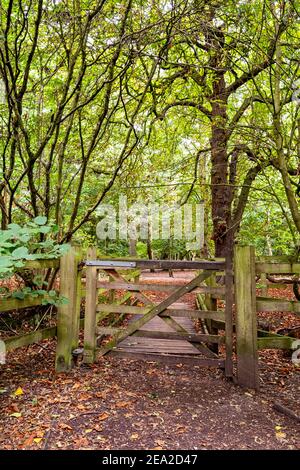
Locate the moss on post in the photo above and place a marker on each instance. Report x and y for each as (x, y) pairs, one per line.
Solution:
(68, 314)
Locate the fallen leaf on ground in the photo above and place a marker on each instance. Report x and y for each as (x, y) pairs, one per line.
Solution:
(76, 386)
(181, 429)
(16, 415)
(98, 428)
(80, 407)
(65, 426)
(103, 416)
(123, 404)
(37, 439)
(28, 441)
(160, 443)
(280, 435)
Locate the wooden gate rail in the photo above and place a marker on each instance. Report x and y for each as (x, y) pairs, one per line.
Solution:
(156, 264)
(217, 291)
(147, 312)
(276, 266)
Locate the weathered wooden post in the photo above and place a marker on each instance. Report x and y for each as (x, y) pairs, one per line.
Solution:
(246, 327)
(68, 314)
(90, 310)
(211, 304)
(264, 286)
(76, 324)
(111, 292)
(228, 314)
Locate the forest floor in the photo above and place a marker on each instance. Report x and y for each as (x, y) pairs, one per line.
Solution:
(122, 404)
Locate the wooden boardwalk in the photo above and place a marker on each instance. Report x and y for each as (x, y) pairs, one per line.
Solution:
(141, 345)
(158, 346)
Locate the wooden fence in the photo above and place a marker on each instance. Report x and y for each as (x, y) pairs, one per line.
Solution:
(265, 268)
(9, 304)
(243, 321)
(174, 345)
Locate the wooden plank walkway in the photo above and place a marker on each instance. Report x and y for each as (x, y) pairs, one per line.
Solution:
(143, 345)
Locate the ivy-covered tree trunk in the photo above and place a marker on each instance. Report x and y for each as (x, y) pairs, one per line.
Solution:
(220, 192)
(221, 203)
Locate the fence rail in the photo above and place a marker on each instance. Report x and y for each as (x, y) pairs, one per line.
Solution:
(123, 275)
(9, 304)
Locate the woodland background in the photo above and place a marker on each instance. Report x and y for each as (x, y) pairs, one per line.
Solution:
(164, 101)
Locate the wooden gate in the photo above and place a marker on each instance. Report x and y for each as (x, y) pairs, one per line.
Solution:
(170, 338)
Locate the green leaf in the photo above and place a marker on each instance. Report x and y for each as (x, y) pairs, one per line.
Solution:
(7, 245)
(41, 292)
(24, 238)
(40, 220)
(45, 229)
(6, 262)
(18, 295)
(64, 248)
(18, 264)
(21, 252)
(15, 228)
(34, 256)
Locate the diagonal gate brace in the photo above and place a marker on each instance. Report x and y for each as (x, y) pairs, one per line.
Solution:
(156, 310)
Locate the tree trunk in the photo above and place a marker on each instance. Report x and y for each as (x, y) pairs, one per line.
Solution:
(4, 218)
(132, 247)
(149, 249)
(221, 201)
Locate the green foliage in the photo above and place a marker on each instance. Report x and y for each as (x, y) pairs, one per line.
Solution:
(19, 244)
(23, 243)
(266, 229)
(118, 100)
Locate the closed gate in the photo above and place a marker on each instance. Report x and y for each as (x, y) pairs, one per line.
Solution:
(155, 320)
(163, 330)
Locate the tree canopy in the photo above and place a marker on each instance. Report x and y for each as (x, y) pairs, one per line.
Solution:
(170, 101)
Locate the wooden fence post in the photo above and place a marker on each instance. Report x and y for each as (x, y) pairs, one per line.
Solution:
(90, 310)
(211, 304)
(228, 314)
(78, 296)
(264, 286)
(246, 327)
(68, 314)
(111, 292)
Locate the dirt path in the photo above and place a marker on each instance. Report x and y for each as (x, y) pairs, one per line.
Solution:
(119, 404)
(122, 404)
